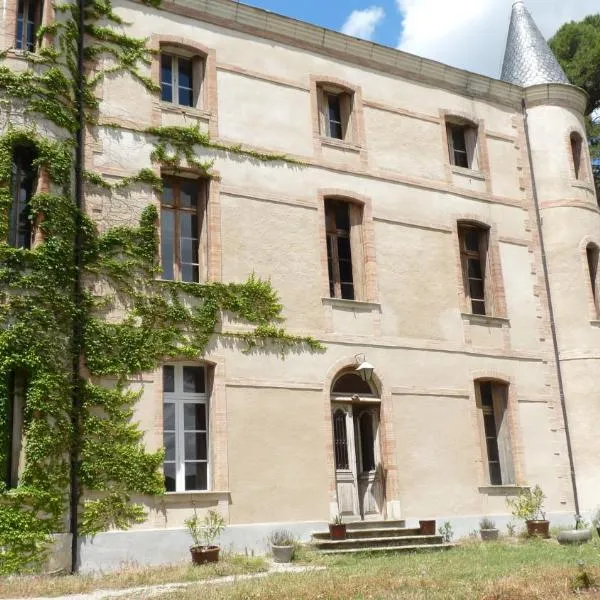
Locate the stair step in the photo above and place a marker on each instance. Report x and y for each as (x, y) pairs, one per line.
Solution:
(355, 534)
(364, 543)
(415, 548)
(375, 525)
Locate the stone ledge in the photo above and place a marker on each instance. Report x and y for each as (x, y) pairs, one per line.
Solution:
(489, 320)
(358, 305)
(502, 490)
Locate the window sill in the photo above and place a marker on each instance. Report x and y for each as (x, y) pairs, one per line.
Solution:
(488, 320)
(358, 305)
(502, 490)
(583, 185)
(595, 322)
(195, 496)
(474, 174)
(185, 110)
(335, 143)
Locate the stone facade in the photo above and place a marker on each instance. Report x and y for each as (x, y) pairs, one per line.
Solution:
(271, 446)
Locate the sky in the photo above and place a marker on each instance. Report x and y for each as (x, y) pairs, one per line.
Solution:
(469, 34)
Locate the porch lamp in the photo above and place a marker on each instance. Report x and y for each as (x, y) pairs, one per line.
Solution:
(364, 369)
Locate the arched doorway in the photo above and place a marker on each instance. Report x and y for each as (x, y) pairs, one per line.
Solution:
(355, 406)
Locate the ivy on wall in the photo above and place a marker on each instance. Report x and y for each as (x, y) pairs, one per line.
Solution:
(162, 319)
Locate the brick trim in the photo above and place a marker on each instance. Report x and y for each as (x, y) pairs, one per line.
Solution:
(209, 80)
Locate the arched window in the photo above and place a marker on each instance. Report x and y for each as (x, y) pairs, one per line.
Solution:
(576, 151)
(474, 255)
(593, 252)
(336, 107)
(462, 142)
(340, 440)
(23, 185)
(182, 71)
(350, 384)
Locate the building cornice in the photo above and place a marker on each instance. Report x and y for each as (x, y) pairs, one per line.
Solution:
(285, 30)
(556, 94)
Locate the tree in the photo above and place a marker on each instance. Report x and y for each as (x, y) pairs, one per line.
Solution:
(577, 47)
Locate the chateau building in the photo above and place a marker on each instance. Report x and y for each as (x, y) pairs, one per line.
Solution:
(439, 225)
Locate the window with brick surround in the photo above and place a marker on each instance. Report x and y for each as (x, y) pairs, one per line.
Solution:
(593, 252)
(182, 235)
(23, 181)
(474, 255)
(462, 144)
(576, 152)
(17, 387)
(343, 228)
(181, 79)
(335, 113)
(29, 19)
(492, 402)
(185, 428)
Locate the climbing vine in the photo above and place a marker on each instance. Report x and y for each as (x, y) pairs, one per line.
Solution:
(130, 320)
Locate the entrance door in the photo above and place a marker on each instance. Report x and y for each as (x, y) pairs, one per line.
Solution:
(358, 469)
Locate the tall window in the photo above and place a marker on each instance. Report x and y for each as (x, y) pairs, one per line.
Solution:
(341, 218)
(180, 79)
(340, 440)
(335, 107)
(493, 403)
(462, 144)
(17, 385)
(181, 217)
(185, 428)
(29, 17)
(473, 253)
(593, 253)
(576, 150)
(22, 183)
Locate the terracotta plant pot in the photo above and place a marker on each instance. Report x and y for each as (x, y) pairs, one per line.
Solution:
(427, 527)
(488, 535)
(574, 536)
(337, 532)
(538, 528)
(204, 554)
(282, 554)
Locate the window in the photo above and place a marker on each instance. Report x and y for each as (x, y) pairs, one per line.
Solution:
(343, 221)
(17, 386)
(350, 384)
(22, 183)
(335, 107)
(576, 149)
(473, 254)
(340, 440)
(462, 144)
(181, 217)
(180, 79)
(367, 442)
(593, 252)
(29, 18)
(185, 428)
(492, 399)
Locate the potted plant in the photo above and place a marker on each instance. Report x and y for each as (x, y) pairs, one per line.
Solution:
(204, 532)
(579, 535)
(596, 521)
(337, 528)
(282, 545)
(488, 530)
(528, 506)
(427, 527)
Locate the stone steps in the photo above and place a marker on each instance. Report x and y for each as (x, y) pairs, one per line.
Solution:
(377, 542)
(394, 549)
(356, 534)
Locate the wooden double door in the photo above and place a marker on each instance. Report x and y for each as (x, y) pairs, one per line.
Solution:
(358, 469)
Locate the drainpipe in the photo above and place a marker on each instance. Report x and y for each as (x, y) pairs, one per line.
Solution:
(77, 295)
(561, 390)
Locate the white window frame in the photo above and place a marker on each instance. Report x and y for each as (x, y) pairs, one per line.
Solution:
(180, 398)
(197, 73)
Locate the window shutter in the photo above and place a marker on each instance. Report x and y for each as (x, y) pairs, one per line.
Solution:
(500, 396)
(486, 264)
(471, 143)
(323, 120)
(346, 102)
(357, 249)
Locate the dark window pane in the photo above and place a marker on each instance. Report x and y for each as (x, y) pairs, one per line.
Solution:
(189, 194)
(340, 440)
(185, 73)
(476, 289)
(169, 378)
(169, 416)
(347, 291)
(342, 216)
(489, 424)
(458, 138)
(166, 78)
(169, 444)
(190, 273)
(474, 268)
(492, 449)
(167, 242)
(167, 193)
(335, 130)
(195, 446)
(478, 307)
(495, 475)
(188, 224)
(186, 97)
(189, 250)
(195, 476)
(367, 442)
(334, 114)
(194, 417)
(169, 469)
(350, 384)
(485, 391)
(19, 41)
(472, 240)
(344, 252)
(193, 380)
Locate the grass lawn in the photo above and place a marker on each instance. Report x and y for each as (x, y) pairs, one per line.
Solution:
(21, 587)
(493, 571)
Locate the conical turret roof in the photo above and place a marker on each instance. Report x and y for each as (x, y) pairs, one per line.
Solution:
(528, 59)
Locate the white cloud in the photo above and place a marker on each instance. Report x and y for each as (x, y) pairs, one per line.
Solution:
(471, 34)
(362, 23)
